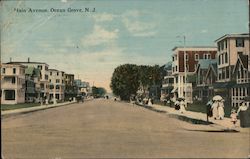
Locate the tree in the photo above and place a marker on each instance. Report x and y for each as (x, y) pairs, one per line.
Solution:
(98, 91)
(125, 81)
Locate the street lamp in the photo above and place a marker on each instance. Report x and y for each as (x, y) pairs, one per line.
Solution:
(185, 67)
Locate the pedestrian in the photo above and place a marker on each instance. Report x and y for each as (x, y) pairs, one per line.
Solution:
(215, 109)
(221, 112)
(243, 107)
(233, 117)
(209, 108)
(150, 102)
(182, 106)
(177, 105)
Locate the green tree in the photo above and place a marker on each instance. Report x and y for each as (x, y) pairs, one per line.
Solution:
(98, 91)
(125, 81)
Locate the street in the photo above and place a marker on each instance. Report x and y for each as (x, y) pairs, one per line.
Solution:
(108, 129)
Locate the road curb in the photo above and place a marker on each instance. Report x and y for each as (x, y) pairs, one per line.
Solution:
(33, 109)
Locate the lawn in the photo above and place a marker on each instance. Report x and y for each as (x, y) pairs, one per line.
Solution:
(18, 106)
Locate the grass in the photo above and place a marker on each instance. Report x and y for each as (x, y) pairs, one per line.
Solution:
(18, 106)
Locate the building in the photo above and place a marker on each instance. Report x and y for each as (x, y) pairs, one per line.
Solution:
(211, 78)
(167, 86)
(56, 84)
(70, 86)
(231, 48)
(12, 84)
(32, 83)
(44, 80)
(201, 91)
(242, 88)
(83, 87)
(192, 56)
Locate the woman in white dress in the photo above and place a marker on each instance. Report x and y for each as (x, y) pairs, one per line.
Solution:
(215, 109)
(182, 106)
(221, 112)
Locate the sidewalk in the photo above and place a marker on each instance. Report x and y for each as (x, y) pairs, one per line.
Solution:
(32, 109)
(224, 124)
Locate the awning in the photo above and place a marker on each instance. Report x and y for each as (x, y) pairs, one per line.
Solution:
(174, 90)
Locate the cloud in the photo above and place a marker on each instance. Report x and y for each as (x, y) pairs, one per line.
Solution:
(204, 31)
(138, 28)
(99, 36)
(103, 17)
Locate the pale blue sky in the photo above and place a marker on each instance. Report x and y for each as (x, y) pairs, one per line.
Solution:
(91, 45)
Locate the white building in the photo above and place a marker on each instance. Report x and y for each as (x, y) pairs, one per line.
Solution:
(183, 67)
(44, 80)
(12, 83)
(56, 84)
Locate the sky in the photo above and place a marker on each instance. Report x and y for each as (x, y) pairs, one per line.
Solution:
(91, 44)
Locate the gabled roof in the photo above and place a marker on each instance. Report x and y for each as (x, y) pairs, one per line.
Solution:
(244, 35)
(212, 67)
(243, 61)
(204, 63)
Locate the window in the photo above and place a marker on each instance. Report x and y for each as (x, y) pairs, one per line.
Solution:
(225, 43)
(57, 87)
(196, 56)
(9, 94)
(14, 70)
(218, 46)
(46, 68)
(240, 53)
(40, 67)
(46, 77)
(239, 42)
(51, 86)
(226, 57)
(57, 73)
(222, 45)
(208, 56)
(57, 81)
(3, 71)
(50, 80)
(219, 59)
(176, 68)
(186, 57)
(13, 80)
(50, 73)
(173, 58)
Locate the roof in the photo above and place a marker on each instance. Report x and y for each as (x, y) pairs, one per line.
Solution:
(190, 47)
(243, 35)
(19, 62)
(15, 64)
(29, 70)
(204, 63)
(243, 60)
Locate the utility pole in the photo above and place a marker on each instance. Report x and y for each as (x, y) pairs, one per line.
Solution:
(185, 69)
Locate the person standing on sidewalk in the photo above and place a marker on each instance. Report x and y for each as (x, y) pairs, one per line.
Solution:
(221, 112)
(233, 117)
(215, 109)
(182, 106)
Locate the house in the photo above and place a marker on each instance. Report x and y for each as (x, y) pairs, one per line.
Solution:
(56, 84)
(211, 78)
(201, 91)
(12, 84)
(184, 67)
(70, 86)
(242, 73)
(32, 83)
(44, 80)
(167, 86)
(230, 47)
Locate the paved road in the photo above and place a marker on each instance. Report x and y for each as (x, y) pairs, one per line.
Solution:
(107, 129)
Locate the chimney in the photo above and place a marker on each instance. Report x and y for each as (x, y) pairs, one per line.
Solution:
(28, 59)
(10, 59)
